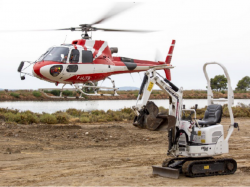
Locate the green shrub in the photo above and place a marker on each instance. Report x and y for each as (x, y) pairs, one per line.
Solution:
(26, 117)
(67, 93)
(97, 112)
(84, 120)
(74, 112)
(55, 92)
(117, 117)
(36, 93)
(10, 117)
(62, 117)
(5, 110)
(101, 118)
(16, 95)
(48, 118)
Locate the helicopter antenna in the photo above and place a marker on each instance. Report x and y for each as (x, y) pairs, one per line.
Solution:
(65, 39)
(132, 77)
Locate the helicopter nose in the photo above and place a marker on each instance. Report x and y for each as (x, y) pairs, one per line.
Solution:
(45, 71)
(34, 73)
(36, 70)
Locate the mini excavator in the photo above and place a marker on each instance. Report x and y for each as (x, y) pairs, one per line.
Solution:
(192, 142)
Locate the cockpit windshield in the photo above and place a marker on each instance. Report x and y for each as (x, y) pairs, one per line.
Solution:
(58, 54)
(43, 55)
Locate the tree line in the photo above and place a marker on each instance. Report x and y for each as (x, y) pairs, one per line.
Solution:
(219, 82)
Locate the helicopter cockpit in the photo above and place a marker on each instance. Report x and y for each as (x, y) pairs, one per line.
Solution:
(56, 54)
(61, 54)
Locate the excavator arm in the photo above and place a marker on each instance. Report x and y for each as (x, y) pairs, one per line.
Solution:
(147, 113)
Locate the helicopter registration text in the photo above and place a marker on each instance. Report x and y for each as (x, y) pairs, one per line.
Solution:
(83, 78)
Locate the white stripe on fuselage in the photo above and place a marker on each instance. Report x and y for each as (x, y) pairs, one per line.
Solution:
(104, 45)
(86, 69)
(90, 43)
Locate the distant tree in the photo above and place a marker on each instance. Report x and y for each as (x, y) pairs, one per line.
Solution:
(219, 82)
(244, 83)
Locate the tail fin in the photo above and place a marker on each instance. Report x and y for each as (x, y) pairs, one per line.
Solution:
(168, 60)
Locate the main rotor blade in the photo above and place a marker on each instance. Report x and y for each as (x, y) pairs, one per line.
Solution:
(123, 30)
(115, 10)
(73, 28)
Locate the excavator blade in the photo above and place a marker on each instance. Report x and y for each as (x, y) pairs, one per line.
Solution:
(166, 172)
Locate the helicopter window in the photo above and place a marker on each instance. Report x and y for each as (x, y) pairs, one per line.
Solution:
(72, 68)
(43, 55)
(87, 57)
(58, 54)
(74, 56)
(56, 70)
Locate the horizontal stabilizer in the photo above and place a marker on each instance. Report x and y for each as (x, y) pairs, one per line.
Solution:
(162, 66)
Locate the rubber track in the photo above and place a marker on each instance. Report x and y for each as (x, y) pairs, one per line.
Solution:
(169, 161)
(187, 167)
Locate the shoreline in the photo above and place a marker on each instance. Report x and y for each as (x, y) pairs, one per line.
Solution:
(33, 95)
(59, 100)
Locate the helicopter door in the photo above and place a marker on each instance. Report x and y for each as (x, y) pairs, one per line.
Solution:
(74, 56)
(87, 56)
(73, 59)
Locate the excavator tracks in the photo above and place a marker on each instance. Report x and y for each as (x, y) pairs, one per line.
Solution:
(210, 167)
(195, 167)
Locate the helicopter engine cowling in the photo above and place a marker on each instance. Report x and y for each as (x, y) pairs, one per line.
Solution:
(113, 50)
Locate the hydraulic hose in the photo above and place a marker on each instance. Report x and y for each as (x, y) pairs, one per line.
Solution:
(175, 88)
(145, 79)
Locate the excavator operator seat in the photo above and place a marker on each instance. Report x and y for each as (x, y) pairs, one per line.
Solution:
(212, 115)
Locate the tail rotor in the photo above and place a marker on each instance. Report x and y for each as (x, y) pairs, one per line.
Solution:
(168, 60)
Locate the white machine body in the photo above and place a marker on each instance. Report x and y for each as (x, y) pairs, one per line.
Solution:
(208, 141)
(203, 141)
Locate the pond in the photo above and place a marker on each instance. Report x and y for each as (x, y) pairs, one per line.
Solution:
(53, 106)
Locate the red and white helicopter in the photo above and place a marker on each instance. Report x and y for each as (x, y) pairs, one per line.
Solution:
(87, 61)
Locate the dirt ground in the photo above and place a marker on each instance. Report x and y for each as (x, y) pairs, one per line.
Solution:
(111, 154)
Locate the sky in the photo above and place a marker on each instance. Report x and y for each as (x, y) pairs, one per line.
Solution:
(205, 31)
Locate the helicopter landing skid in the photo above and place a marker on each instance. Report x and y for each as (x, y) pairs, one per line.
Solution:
(96, 88)
(80, 88)
(60, 96)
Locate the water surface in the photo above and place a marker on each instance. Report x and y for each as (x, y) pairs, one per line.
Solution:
(53, 106)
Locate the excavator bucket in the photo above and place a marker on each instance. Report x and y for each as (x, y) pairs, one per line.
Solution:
(150, 119)
(166, 172)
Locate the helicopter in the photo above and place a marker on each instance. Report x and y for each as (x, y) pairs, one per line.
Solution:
(85, 61)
